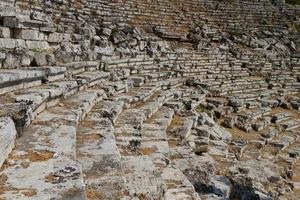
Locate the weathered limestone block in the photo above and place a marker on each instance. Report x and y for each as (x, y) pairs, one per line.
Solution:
(7, 11)
(280, 117)
(5, 32)
(229, 122)
(6, 43)
(8, 134)
(40, 59)
(2, 56)
(11, 80)
(59, 37)
(106, 32)
(28, 34)
(37, 45)
(10, 22)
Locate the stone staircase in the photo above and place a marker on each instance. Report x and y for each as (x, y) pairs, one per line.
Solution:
(58, 151)
(105, 130)
(170, 99)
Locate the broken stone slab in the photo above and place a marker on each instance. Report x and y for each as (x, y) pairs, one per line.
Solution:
(137, 81)
(20, 113)
(282, 142)
(280, 117)
(8, 135)
(261, 123)
(295, 105)
(272, 103)
(249, 115)
(178, 186)
(93, 78)
(290, 124)
(294, 153)
(229, 121)
(184, 129)
(205, 119)
(260, 171)
(191, 104)
(253, 104)
(269, 133)
(175, 105)
(247, 127)
(235, 102)
(108, 109)
(217, 101)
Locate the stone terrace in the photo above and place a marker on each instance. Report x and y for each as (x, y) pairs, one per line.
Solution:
(151, 100)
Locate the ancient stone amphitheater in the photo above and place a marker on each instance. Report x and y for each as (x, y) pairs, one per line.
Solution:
(149, 99)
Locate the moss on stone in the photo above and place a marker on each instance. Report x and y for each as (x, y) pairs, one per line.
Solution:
(293, 2)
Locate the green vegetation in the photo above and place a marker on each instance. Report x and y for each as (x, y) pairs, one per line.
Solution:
(293, 2)
(36, 50)
(115, 31)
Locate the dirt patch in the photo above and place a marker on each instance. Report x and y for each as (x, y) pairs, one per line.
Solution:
(29, 193)
(173, 143)
(25, 164)
(148, 150)
(35, 156)
(239, 134)
(72, 193)
(93, 194)
(89, 137)
(176, 121)
(50, 178)
(296, 170)
(80, 154)
(6, 165)
(88, 123)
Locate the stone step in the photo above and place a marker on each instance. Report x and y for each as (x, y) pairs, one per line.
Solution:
(289, 124)
(18, 79)
(11, 80)
(290, 155)
(98, 154)
(154, 144)
(128, 126)
(178, 186)
(43, 164)
(142, 144)
(283, 141)
(28, 103)
(8, 135)
(105, 182)
(278, 117)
